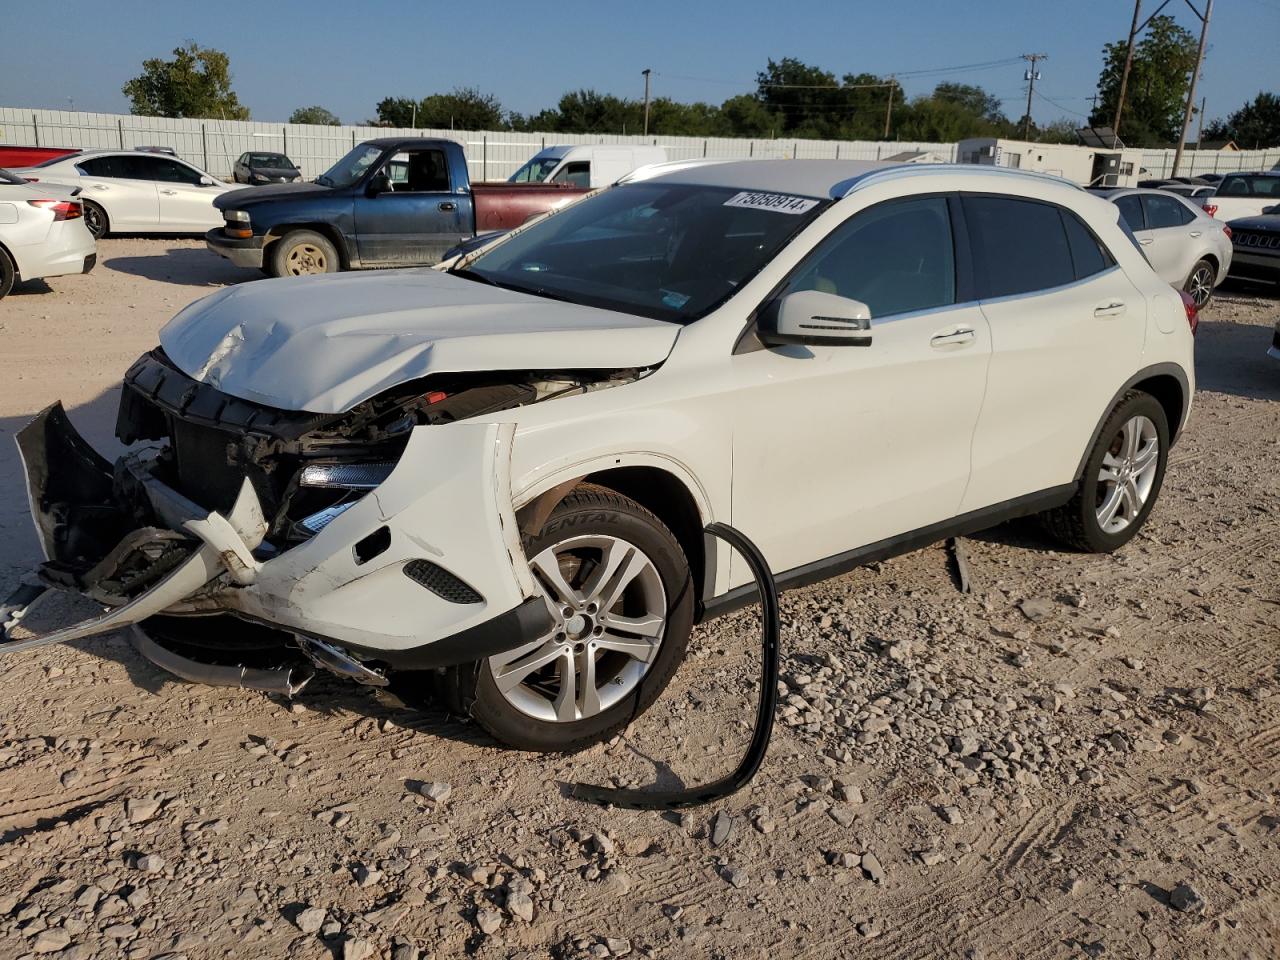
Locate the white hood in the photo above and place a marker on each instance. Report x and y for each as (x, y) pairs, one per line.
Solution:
(324, 344)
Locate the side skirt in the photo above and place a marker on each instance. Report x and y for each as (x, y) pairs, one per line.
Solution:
(825, 569)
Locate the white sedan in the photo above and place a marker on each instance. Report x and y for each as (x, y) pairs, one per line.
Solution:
(499, 474)
(42, 233)
(136, 191)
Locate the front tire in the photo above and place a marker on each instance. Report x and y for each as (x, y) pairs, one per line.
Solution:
(1199, 283)
(621, 596)
(1122, 478)
(95, 218)
(303, 253)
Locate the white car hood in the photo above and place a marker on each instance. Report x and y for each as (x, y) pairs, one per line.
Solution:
(324, 344)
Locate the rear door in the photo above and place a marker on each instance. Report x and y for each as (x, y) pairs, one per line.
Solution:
(837, 447)
(418, 219)
(113, 181)
(1067, 330)
(1174, 232)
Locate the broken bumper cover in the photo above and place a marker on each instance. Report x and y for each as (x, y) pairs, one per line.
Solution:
(460, 519)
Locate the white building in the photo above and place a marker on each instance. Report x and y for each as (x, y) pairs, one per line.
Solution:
(1088, 166)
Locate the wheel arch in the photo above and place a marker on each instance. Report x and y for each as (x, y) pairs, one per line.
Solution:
(327, 230)
(657, 485)
(106, 214)
(1168, 383)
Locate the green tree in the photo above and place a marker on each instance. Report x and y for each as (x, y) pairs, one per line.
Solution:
(746, 116)
(316, 115)
(195, 83)
(396, 112)
(972, 100)
(1059, 131)
(1154, 101)
(1253, 126)
(465, 108)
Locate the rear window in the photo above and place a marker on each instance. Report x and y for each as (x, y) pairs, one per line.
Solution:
(1023, 245)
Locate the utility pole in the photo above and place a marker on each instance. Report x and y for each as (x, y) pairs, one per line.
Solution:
(1124, 76)
(646, 73)
(1031, 77)
(888, 110)
(1200, 127)
(1195, 73)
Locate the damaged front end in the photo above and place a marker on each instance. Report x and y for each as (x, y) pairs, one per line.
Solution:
(380, 538)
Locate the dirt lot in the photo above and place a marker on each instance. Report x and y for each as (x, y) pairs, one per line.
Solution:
(1081, 758)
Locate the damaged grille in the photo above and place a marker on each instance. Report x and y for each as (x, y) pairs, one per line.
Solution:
(202, 458)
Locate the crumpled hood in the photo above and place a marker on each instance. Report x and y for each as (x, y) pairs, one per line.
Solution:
(324, 344)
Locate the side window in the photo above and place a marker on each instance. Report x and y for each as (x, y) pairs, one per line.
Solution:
(242, 159)
(577, 173)
(418, 171)
(1164, 212)
(1131, 210)
(170, 171)
(100, 167)
(1087, 252)
(895, 258)
(1233, 187)
(1266, 186)
(1022, 243)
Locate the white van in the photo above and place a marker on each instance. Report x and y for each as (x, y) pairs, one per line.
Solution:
(586, 165)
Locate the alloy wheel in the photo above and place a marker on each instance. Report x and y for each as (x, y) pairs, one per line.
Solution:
(93, 220)
(1127, 474)
(609, 611)
(1200, 285)
(305, 259)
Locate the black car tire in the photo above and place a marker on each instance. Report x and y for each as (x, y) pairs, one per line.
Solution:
(1077, 523)
(8, 273)
(588, 511)
(302, 253)
(95, 218)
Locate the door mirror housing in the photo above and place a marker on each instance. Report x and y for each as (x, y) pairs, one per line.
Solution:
(206, 181)
(817, 319)
(380, 183)
(1274, 208)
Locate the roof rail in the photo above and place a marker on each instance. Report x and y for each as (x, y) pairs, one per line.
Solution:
(962, 169)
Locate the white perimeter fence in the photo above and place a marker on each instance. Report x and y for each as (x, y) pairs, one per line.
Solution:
(214, 145)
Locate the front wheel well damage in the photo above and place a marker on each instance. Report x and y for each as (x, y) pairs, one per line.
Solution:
(659, 492)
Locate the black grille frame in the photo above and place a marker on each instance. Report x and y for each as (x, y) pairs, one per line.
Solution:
(441, 582)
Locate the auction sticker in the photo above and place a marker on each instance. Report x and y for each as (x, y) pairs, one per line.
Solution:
(777, 202)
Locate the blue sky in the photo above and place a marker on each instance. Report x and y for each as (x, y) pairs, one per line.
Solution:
(346, 56)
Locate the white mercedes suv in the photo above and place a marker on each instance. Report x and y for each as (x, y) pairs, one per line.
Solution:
(499, 473)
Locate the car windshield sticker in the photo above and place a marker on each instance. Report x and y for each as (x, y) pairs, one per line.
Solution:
(673, 299)
(777, 202)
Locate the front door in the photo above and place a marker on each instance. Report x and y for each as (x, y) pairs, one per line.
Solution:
(415, 221)
(185, 203)
(837, 447)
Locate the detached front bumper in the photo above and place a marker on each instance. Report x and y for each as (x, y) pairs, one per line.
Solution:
(175, 557)
(245, 252)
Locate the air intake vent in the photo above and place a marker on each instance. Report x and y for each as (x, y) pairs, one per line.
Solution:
(440, 582)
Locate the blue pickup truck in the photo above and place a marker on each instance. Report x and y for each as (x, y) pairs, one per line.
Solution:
(394, 202)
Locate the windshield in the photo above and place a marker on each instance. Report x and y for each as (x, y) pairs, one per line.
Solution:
(348, 171)
(667, 251)
(535, 171)
(268, 160)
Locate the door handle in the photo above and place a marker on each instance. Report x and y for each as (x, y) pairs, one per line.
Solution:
(1195, 233)
(1112, 309)
(101, 186)
(1147, 240)
(447, 206)
(170, 193)
(953, 338)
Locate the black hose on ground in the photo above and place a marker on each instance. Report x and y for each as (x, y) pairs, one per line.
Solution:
(770, 628)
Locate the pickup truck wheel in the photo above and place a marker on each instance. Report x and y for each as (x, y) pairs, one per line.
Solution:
(302, 253)
(1121, 481)
(8, 274)
(621, 597)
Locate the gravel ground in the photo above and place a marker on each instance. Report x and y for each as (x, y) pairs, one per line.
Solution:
(1079, 758)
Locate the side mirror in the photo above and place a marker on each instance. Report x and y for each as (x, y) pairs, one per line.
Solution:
(816, 318)
(1274, 208)
(379, 184)
(206, 181)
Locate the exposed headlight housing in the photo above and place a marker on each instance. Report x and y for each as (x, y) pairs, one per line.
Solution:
(238, 216)
(345, 476)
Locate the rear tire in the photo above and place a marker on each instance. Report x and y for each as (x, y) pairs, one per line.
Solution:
(303, 253)
(1121, 481)
(622, 639)
(8, 274)
(95, 218)
(1200, 283)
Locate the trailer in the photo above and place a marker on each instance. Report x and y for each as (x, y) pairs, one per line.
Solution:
(1087, 166)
